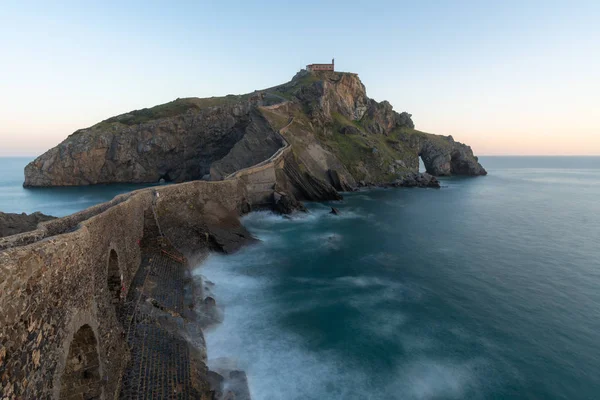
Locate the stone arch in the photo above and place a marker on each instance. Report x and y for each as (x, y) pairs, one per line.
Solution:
(82, 378)
(113, 278)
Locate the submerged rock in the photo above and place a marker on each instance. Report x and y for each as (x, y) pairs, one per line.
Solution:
(227, 382)
(334, 211)
(443, 156)
(210, 302)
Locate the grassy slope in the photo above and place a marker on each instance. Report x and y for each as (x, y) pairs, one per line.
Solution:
(355, 151)
(183, 105)
(173, 108)
(374, 152)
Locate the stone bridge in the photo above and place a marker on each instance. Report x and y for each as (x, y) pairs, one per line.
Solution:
(64, 288)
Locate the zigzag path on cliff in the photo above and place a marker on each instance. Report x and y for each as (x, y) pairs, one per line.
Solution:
(339, 136)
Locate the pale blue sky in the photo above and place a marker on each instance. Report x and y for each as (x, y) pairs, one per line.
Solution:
(506, 77)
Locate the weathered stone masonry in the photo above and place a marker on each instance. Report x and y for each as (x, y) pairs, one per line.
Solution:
(60, 335)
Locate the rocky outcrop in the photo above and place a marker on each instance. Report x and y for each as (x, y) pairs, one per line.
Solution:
(203, 222)
(443, 156)
(374, 143)
(339, 182)
(229, 385)
(286, 204)
(175, 148)
(11, 224)
(382, 119)
(303, 185)
(330, 95)
(416, 179)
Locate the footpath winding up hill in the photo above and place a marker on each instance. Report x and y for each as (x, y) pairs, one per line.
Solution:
(339, 136)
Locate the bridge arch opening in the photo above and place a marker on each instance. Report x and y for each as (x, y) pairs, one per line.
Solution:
(81, 377)
(114, 278)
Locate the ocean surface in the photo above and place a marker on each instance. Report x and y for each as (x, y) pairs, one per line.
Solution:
(52, 201)
(488, 288)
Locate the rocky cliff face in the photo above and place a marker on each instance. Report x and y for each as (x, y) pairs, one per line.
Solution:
(11, 224)
(339, 136)
(176, 148)
(344, 137)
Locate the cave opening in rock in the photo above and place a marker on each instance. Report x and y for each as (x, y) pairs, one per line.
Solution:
(165, 178)
(81, 377)
(114, 278)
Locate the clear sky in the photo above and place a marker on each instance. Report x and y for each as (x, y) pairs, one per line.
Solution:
(506, 77)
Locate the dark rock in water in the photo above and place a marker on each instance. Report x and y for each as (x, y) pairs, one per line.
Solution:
(228, 384)
(334, 211)
(212, 227)
(238, 385)
(209, 301)
(228, 239)
(286, 204)
(208, 313)
(12, 224)
(443, 156)
(417, 179)
(215, 382)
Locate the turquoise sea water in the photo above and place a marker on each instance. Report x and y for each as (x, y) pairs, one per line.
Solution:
(52, 201)
(488, 288)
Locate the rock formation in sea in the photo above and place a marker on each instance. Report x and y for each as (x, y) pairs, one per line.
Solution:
(338, 135)
(417, 179)
(11, 224)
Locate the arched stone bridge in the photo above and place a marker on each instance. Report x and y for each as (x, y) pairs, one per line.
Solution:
(65, 324)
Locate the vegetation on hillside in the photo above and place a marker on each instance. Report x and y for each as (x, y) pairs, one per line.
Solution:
(171, 109)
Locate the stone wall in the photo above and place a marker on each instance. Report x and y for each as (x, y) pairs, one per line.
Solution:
(57, 283)
(52, 288)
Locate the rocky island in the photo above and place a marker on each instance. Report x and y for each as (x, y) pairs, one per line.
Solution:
(100, 304)
(338, 135)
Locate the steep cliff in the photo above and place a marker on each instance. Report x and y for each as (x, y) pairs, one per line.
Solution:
(336, 123)
(177, 142)
(339, 136)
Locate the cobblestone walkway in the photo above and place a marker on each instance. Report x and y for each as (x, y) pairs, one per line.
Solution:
(160, 365)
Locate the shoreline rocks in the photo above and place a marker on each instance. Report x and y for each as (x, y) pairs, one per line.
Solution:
(286, 204)
(418, 179)
(12, 224)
